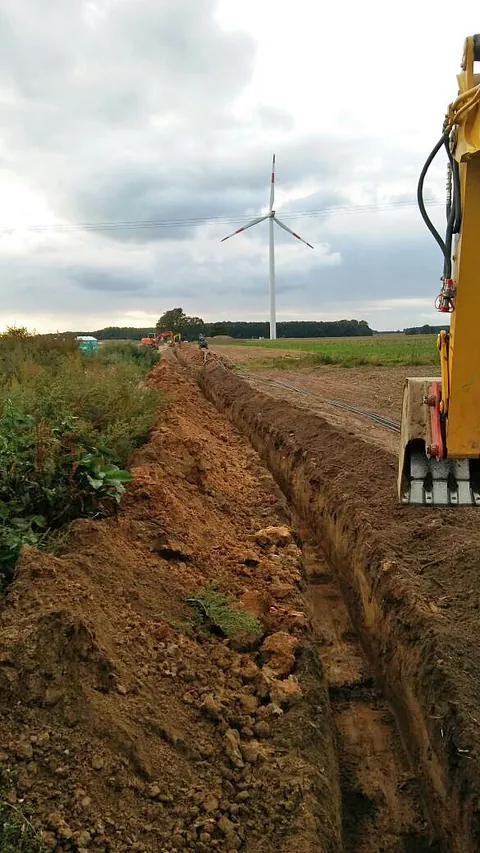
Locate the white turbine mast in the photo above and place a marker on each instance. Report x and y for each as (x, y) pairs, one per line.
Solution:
(271, 244)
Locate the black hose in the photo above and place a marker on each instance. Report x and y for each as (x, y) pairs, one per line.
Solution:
(453, 191)
(441, 142)
(451, 217)
(447, 265)
(457, 200)
(448, 188)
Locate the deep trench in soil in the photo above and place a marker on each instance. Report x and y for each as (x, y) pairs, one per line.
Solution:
(382, 810)
(385, 802)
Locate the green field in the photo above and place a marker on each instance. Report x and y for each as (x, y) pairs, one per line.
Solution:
(394, 350)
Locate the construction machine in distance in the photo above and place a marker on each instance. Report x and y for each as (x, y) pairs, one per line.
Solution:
(440, 432)
(159, 340)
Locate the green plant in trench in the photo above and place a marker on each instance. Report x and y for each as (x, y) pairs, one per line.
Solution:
(219, 611)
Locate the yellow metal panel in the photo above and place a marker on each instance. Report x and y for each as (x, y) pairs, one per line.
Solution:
(442, 343)
(464, 113)
(463, 425)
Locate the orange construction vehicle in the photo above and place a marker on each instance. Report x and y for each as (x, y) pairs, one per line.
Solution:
(159, 340)
(165, 338)
(148, 342)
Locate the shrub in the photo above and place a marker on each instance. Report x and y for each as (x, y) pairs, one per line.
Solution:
(68, 423)
(49, 474)
(143, 356)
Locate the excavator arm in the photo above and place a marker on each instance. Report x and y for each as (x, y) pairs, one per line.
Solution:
(440, 436)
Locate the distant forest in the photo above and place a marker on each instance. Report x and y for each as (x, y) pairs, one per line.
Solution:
(425, 330)
(245, 330)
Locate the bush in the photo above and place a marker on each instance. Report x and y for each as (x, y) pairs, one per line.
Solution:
(143, 356)
(68, 422)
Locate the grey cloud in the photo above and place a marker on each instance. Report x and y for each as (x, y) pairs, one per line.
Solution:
(127, 115)
(108, 282)
(405, 269)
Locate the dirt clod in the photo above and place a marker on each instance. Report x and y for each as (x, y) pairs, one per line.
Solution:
(232, 747)
(277, 536)
(279, 651)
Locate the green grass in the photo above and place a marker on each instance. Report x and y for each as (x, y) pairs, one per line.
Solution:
(379, 350)
(220, 611)
(17, 833)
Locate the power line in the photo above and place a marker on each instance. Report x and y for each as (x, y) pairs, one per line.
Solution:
(138, 224)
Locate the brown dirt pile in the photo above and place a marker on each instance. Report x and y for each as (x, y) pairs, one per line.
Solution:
(131, 730)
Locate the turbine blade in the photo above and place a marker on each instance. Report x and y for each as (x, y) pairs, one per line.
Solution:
(291, 232)
(244, 227)
(272, 184)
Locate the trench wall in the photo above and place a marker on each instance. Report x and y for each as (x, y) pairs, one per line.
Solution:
(329, 477)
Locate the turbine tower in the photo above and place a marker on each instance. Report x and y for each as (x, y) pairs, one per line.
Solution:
(271, 244)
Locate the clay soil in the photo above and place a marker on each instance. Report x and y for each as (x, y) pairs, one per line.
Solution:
(124, 725)
(409, 575)
(352, 725)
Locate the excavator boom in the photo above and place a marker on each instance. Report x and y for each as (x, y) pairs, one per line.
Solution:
(440, 437)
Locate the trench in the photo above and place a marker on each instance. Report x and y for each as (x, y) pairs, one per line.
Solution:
(381, 802)
(395, 766)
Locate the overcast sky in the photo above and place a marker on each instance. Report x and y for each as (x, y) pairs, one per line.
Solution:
(169, 110)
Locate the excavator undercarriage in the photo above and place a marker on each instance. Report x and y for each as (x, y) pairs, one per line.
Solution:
(423, 477)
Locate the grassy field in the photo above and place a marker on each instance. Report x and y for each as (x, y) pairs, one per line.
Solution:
(394, 350)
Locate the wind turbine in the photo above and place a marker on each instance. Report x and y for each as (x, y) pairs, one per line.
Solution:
(271, 245)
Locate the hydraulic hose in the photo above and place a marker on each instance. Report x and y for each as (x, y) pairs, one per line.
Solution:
(451, 217)
(454, 212)
(441, 142)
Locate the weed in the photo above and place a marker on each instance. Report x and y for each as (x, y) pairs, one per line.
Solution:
(48, 475)
(218, 611)
(17, 833)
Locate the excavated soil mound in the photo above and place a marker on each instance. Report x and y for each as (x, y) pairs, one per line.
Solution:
(126, 726)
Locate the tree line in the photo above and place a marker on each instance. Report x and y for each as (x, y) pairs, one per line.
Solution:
(177, 321)
(425, 329)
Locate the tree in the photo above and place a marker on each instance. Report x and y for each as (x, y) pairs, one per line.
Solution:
(171, 321)
(218, 329)
(176, 321)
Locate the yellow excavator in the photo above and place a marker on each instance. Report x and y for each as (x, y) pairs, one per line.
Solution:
(440, 432)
